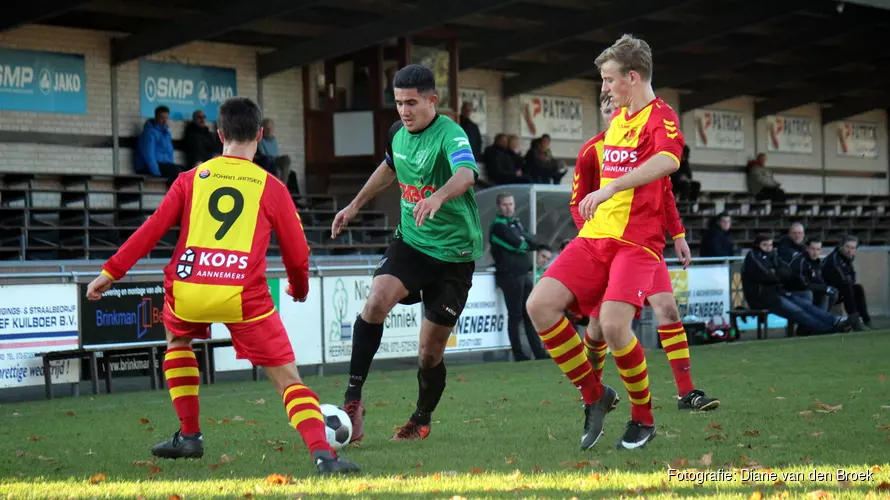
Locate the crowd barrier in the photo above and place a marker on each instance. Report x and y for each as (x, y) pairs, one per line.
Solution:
(55, 317)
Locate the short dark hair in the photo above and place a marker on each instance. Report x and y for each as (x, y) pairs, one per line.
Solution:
(161, 109)
(850, 239)
(760, 238)
(722, 215)
(605, 98)
(564, 243)
(545, 248)
(812, 240)
(415, 76)
(502, 196)
(239, 119)
(545, 136)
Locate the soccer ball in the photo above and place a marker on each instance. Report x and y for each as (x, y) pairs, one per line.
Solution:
(337, 426)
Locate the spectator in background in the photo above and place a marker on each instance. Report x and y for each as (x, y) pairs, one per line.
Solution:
(513, 147)
(389, 96)
(200, 143)
(761, 181)
(471, 129)
(154, 151)
(543, 257)
(269, 155)
(763, 275)
(684, 187)
(792, 244)
(838, 271)
(511, 248)
(542, 167)
(499, 165)
(806, 279)
(717, 241)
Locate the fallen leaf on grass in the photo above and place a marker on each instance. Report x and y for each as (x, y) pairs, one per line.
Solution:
(780, 398)
(818, 494)
(472, 421)
(259, 401)
(846, 484)
(715, 425)
(33, 438)
(827, 407)
(658, 407)
(576, 465)
(537, 469)
(212, 421)
(226, 421)
(70, 413)
(19, 453)
(509, 460)
(97, 478)
(779, 484)
(715, 437)
(885, 407)
(817, 434)
(154, 470)
(224, 459)
(174, 497)
(143, 421)
(248, 495)
(365, 487)
(876, 468)
(805, 413)
(252, 423)
(143, 463)
(551, 436)
(772, 389)
(461, 378)
(237, 418)
(149, 429)
(884, 427)
(477, 470)
(753, 433)
(881, 377)
(805, 458)
(706, 459)
(381, 404)
(884, 486)
(279, 449)
(545, 403)
(419, 464)
(45, 459)
(680, 462)
(213, 467)
(277, 479)
(756, 496)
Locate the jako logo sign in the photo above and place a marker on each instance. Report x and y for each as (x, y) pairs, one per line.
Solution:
(143, 318)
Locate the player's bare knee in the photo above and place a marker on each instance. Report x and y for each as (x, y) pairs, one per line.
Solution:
(429, 358)
(594, 331)
(612, 330)
(667, 314)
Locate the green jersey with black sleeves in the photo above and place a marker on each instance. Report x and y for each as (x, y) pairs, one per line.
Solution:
(424, 161)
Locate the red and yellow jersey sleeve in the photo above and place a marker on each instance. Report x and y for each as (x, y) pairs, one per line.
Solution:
(672, 221)
(279, 207)
(636, 215)
(587, 175)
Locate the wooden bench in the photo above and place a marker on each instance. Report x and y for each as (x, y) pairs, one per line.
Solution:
(761, 316)
(153, 350)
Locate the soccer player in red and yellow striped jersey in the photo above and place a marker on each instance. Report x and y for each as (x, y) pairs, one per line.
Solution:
(226, 210)
(660, 295)
(609, 267)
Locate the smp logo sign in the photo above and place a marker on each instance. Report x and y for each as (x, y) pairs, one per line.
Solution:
(42, 81)
(184, 88)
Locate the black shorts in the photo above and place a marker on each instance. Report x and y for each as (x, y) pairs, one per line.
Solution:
(442, 286)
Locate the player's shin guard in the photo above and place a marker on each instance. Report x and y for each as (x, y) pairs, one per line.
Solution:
(183, 379)
(631, 363)
(365, 342)
(673, 341)
(305, 416)
(565, 348)
(431, 386)
(596, 353)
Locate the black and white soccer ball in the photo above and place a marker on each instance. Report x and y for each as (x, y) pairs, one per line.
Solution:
(338, 427)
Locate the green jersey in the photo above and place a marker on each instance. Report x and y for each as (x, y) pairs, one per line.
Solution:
(424, 161)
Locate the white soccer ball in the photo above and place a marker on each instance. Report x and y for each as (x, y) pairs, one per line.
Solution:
(338, 427)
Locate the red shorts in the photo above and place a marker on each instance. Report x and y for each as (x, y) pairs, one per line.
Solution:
(601, 270)
(263, 342)
(661, 281)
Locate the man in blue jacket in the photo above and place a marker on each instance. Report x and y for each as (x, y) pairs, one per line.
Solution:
(154, 152)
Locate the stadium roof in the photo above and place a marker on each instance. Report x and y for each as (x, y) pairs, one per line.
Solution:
(781, 51)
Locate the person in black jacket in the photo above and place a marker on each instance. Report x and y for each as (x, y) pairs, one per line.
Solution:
(762, 277)
(806, 279)
(792, 244)
(684, 187)
(471, 129)
(717, 241)
(839, 273)
(499, 165)
(200, 143)
(512, 248)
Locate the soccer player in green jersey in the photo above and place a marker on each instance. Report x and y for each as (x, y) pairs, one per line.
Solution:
(432, 257)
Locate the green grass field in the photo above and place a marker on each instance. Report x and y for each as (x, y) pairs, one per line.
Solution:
(501, 431)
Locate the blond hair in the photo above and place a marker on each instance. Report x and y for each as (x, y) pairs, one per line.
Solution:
(631, 54)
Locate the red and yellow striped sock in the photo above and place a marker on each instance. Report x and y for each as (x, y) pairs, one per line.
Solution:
(631, 363)
(675, 345)
(305, 416)
(596, 353)
(565, 348)
(183, 379)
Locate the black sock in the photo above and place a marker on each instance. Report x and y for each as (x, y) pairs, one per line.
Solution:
(431, 385)
(365, 342)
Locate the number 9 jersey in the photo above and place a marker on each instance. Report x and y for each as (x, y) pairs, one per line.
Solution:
(226, 210)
